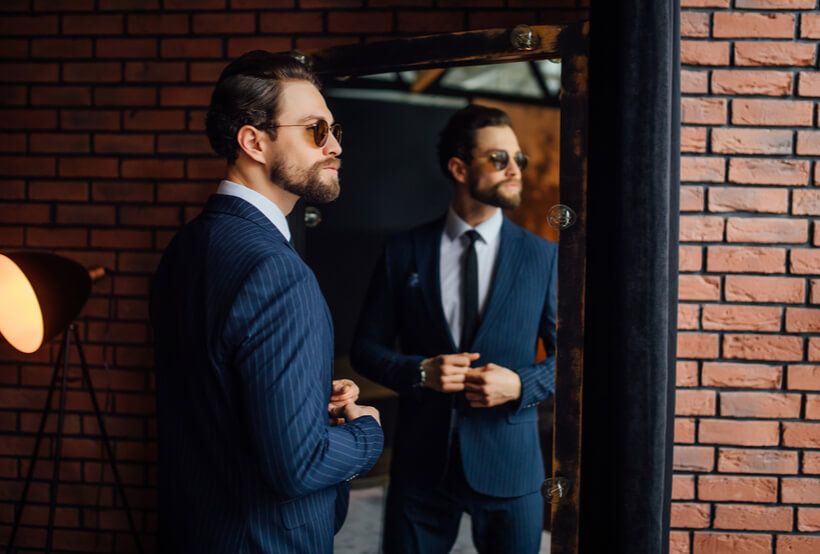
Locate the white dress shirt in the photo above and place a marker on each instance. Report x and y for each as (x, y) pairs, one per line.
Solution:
(453, 249)
(265, 205)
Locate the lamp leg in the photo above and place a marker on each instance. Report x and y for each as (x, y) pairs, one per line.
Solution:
(106, 441)
(18, 516)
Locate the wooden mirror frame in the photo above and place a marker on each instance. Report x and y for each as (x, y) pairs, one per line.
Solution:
(570, 44)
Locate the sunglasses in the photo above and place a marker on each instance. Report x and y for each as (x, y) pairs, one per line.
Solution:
(501, 159)
(321, 131)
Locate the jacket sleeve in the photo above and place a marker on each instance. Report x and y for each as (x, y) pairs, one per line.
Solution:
(538, 380)
(279, 361)
(373, 353)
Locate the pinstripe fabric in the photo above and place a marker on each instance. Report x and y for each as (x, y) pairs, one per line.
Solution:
(244, 346)
(499, 446)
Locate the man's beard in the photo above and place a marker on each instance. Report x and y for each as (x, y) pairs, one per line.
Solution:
(308, 183)
(496, 195)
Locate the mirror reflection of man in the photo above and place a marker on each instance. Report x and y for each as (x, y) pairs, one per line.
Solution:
(467, 297)
(253, 456)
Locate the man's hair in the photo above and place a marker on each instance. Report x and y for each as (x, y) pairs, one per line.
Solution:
(248, 93)
(458, 137)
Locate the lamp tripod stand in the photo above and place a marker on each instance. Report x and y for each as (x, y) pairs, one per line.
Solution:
(60, 374)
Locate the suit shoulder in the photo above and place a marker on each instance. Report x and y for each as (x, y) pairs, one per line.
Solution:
(537, 242)
(405, 238)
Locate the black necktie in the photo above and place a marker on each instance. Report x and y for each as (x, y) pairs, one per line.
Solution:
(470, 292)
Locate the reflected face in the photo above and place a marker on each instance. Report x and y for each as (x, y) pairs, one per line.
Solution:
(298, 165)
(496, 187)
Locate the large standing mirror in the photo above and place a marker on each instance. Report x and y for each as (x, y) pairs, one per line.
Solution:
(393, 99)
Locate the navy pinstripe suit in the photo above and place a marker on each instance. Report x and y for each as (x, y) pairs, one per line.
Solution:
(499, 446)
(244, 349)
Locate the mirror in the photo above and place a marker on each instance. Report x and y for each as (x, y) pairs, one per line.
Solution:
(393, 100)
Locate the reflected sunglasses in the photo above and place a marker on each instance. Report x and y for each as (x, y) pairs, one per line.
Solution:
(321, 131)
(501, 159)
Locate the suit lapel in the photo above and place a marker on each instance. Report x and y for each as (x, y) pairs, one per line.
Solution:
(427, 246)
(507, 266)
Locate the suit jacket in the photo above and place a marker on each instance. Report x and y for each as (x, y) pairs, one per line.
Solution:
(500, 447)
(248, 462)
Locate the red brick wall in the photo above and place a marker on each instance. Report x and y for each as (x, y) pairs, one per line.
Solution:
(102, 157)
(747, 454)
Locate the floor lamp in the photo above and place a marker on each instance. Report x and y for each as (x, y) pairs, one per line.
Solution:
(42, 294)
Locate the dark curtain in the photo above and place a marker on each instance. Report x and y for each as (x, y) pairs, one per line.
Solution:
(632, 249)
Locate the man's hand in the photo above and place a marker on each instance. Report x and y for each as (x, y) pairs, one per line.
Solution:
(491, 385)
(344, 391)
(445, 372)
(351, 411)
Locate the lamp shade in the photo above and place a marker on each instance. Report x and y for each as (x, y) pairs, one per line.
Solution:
(40, 294)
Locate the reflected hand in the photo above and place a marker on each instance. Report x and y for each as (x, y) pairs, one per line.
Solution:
(343, 392)
(491, 385)
(445, 372)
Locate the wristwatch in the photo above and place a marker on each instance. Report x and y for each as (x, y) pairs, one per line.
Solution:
(422, 375)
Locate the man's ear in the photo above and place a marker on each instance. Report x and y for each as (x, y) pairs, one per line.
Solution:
(458, 169)
(250, 141)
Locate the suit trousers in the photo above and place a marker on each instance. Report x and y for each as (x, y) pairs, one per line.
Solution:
(426, 520)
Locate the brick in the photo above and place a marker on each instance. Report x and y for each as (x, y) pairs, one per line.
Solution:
(693, 139)
(742, 433)
(815, 290)
(58, 190)
(805, 261)
(723, 543)
(774, 53)
(166, 72)
(808, 84)
(776, 4)
(123, 144)
(165, 24)
(698, 52)
(154, 120)
(56, 237)
(125, 96)
(806, 202)
(186, 96)
(755, 376)
(768, 83)
(723, 488)
(691, 199)
(804, 377)
(191, 143)
(120, 192)
(694, 82)
(808, 519)
(224, 23)
(763, 347)
(29, 72)
(803, 320)
(88, 167)
(751, 141)
(746, 318)
(688, 316)
(60, 143)
(703, 111)
(704, 3)
(701, 228)
(64, 5)
(363, 22)
(420, 22)
(808, 143)
(798, 544)
(90, 120)
(800, 491)
(810, 25)
(238, 46)
(760, 404)
(126, 48)
(690, 515)
(690, 258)
(28, 25)
(768, 230)
(686, 374)
(758, 25)
(772, 112)
(25, 120)
(695, 458)
(150, 168)
(157, 215)
(695, 402)
(741, 259)
(130, 5)
(14, 48)
(812, 406)
(683, 487)
(734, 199)
(752, 517)
(741, 460)
(92, 24)
(741, 288)
(702, 169)
(694, 24)
(93, 72)
(61, 96)
(761, 171)
(194, 4)
(698, 287)
(60, 48)
(811, 462)
(814, 350)
(86, 215)
(12, 142)
(18, 166)
(801, 435)
(684, 430)
(121, 239)
(188, 48)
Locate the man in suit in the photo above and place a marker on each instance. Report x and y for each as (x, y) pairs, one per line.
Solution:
(252, 455)
(466, 298)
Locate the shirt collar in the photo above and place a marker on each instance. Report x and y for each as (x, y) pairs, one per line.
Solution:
(265, 205)
(489, 229)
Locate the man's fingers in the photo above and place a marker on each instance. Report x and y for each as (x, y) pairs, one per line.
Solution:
(475, 387)
(449, 369)
(455, 378)
(336, 411)
(452, 387)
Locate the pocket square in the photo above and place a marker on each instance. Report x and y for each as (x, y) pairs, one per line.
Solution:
(413, 280)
